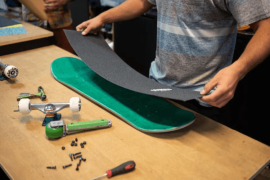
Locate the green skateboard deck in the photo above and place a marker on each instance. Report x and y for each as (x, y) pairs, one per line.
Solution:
(144, 112)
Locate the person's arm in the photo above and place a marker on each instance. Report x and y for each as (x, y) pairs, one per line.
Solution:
(227, 79)
(127, 10)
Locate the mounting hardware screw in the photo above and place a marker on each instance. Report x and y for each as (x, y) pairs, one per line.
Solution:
(73, 141)
(79, 162)
(77, 168)
(67, 166)
(70, 155)
(63, 148)
(72, 144)
(83, 159)
(84, 142)
(75, 144)
(51, 167)
(76, 139)
(77, 156)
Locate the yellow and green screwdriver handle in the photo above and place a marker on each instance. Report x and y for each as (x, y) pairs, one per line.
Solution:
(57, 129)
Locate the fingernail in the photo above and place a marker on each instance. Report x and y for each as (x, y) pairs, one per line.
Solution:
(202, 92)
(83, 33)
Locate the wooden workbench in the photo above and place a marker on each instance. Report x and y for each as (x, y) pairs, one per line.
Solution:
(204, 150)
(35, 37)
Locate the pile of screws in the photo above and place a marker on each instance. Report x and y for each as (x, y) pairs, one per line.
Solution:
(82, 144)
(74, 156)
(74, 143)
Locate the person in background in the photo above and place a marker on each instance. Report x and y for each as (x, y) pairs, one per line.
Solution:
(59, 18)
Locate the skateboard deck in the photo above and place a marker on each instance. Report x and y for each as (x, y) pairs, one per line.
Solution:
(144, 112)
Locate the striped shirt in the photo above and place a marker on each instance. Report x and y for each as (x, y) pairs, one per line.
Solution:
(196, 38)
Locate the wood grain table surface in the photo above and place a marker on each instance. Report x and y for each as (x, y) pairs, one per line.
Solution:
(202, 151)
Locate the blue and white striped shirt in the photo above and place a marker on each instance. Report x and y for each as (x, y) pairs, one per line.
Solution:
(196, 38)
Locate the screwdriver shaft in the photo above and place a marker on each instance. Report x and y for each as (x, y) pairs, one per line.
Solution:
(99, 177)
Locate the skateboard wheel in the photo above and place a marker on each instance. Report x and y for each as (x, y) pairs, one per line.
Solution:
(11, 72)
(24, 106)
(75, 104)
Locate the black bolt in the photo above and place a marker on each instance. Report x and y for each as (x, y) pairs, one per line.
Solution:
(73, 141)
(51, 167)
(84, 142)
(72, 144)
(83, 159)
(82, 146)
(77, 153)
(67, 166)
(79, 162)
(77, 168)
(76, 139)
(75, 144)
(63, 148)
(77, 156)
(70, 155)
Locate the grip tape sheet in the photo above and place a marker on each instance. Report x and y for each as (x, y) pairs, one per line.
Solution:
(98, 56)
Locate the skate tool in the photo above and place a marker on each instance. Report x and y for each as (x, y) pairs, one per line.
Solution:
(57, 129)
(41, 94)
(50, 109)
(7, 71)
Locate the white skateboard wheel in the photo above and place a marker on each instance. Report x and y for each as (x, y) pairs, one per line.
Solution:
(24, 106)
(75, 104)
(11, 72)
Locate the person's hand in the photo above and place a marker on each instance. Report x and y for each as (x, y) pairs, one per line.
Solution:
(52, 5)
(225, 81)
(90, 26)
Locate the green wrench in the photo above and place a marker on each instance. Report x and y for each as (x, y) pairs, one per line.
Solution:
(57, 129)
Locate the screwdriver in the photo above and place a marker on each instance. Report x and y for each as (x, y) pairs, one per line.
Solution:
(121, 169)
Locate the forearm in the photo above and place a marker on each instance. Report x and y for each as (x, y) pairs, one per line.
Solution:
(257, 49)
(127, 10)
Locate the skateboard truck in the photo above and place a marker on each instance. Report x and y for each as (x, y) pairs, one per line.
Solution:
(8, 71)
(57, 129)
(41, 94)
(50, 109)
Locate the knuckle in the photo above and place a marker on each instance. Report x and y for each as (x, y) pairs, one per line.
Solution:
(219, 106)
(230, 95)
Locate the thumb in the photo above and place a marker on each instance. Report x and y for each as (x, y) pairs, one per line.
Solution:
(209, 86)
